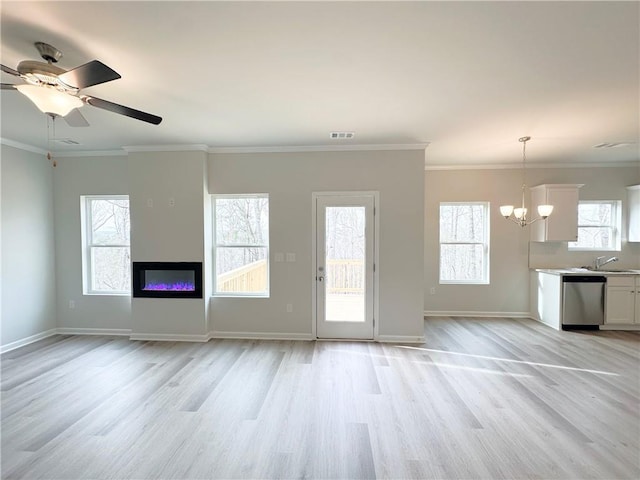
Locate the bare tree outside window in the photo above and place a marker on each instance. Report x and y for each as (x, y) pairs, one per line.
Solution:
(598, 226)
(464, 245)
(107, 238)
(241, 244)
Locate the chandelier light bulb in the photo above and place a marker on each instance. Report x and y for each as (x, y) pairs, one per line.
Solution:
(545, 210)
(506, 210)
(520, 213)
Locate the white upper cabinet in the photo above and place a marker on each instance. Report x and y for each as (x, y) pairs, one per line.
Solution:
(633, 213)
(562, 224)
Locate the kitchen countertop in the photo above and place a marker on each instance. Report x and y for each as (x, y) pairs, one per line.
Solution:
(575, 271)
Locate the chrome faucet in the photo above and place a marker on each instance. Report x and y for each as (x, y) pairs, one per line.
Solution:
(599, 262)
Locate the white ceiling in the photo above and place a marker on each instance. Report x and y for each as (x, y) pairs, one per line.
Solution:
(469, 78)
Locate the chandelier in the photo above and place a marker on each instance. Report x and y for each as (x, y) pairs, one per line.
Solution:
(519, 215)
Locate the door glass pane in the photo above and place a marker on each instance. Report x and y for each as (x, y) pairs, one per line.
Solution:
(345, 264)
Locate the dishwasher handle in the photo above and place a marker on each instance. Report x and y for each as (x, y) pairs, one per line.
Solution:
(584, 279)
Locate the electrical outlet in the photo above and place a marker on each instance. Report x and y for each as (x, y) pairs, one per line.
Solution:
(289, 307)
(172, 202)
(279, 257)
(150, 202)
(432, 291)
(72, 304)
(291, 257)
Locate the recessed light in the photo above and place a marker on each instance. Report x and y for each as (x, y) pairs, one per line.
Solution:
(341, 135)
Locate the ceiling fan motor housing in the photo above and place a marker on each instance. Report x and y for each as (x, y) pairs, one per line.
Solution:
(44, 74)
(50, 53)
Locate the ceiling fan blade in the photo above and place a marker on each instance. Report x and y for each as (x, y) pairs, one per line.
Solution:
(10, 71)
(89, 74)
(122, 110)
(75, 119)
(7, 86)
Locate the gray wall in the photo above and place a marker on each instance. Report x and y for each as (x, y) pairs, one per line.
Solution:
(73, 177)
(510, 251)
(290, 179)
(28, 262)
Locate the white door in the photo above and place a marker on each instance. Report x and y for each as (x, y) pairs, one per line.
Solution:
(344, 265)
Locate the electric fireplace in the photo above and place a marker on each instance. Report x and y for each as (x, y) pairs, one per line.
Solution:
(167, 279)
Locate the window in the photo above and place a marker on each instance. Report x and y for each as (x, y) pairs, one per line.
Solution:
(598, 226)
(241, 245)
(106, 259)
(464, 243)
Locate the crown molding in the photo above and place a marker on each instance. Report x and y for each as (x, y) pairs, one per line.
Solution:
(531, 166)
(91, 153)
(320, 148)
(22, 146)
(165, 148)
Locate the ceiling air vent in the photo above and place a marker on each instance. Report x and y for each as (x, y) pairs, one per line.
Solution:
(612, 145)
(341, 135)
(66, 141)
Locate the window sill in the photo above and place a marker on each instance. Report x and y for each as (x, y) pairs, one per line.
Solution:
(239, 295)
(107, 294)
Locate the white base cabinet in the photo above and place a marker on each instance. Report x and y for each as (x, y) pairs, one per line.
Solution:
(622, 302)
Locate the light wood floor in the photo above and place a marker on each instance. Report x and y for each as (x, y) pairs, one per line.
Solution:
(482, 398)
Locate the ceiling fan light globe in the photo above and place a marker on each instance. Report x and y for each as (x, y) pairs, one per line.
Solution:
(50, 100)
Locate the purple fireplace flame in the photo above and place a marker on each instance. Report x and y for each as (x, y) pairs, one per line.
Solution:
(171, 287)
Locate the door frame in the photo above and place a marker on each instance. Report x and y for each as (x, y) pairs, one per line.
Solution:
(376, 251)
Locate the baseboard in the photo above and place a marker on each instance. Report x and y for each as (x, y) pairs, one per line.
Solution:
(477, 314)
(260, 335)
(125, 332)
(630, 328)
(168, 337)
(400, 339)
(27, 340)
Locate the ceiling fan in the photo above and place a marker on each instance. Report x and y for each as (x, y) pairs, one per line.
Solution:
(56, 91)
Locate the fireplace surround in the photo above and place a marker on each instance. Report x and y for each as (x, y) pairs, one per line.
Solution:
(167, 279)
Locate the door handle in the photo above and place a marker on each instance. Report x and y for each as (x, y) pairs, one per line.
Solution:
(320, 278)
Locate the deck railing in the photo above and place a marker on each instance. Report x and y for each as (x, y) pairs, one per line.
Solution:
(251, 277)
(345, 276)
(342, 277)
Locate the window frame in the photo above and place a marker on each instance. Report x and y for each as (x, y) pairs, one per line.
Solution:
(86, 221)
(615, 226)
(486, 279)
(217, 245)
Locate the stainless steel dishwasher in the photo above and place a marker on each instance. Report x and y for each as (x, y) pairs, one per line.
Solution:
(583, 301)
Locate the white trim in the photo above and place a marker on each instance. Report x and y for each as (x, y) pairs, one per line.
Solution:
(22, 146)
(166, 148)
(376, 254)
(27, 340)
(400, 339)
(630, 327)
(92, 153)
(319, 148)
(260, 335)
(532, 166)
(168, 337)
(124, 332)
(453, 313)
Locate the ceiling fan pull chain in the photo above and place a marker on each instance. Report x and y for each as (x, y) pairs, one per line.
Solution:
(49, 154)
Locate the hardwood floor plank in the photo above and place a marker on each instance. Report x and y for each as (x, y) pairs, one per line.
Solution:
(481, 398)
